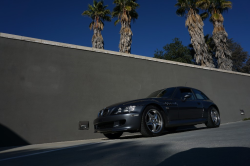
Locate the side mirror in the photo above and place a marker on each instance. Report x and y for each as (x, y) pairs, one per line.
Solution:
(186, 97)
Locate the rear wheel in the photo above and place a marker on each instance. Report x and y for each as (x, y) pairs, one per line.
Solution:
(213, 118)
(113, 135)
(152, 123)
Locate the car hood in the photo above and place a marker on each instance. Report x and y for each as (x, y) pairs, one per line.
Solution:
(130, 102)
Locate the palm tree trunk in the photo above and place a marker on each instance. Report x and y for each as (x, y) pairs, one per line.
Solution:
(222, 51)
(195, 29)
(97, 39)
(126, 35)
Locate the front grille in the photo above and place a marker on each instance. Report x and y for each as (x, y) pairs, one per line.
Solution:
(105, 125)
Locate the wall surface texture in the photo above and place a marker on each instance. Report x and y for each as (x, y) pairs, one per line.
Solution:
(46, 88)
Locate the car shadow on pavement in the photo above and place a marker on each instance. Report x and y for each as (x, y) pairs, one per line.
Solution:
(179, 130)
(210, 156)
(133, 136)
(187, 128)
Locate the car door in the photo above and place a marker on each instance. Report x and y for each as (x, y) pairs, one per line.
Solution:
(189, 108)
(201, 98)
(165, 97)
(170, 105)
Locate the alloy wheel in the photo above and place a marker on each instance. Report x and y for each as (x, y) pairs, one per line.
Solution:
(215, 116)
(154, 121)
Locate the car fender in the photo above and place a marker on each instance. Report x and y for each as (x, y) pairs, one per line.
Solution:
(157, 104)
(207, 105)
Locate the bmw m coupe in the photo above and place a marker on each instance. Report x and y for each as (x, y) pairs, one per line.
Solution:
(167, 109)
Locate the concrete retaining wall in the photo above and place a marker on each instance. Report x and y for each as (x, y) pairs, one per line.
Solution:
(46, 88)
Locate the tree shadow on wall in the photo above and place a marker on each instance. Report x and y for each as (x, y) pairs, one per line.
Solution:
(210, 156)
(8, 138)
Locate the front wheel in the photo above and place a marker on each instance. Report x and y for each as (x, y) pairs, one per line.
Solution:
(113, 135)
(213, 118)
(152, 123)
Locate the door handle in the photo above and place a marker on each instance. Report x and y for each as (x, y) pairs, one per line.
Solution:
(199, 103)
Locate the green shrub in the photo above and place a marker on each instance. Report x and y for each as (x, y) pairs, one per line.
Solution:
(246, 119)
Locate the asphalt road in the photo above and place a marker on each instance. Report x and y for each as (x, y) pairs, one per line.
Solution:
(227, 145)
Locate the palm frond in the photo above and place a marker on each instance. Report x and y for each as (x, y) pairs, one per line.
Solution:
(91, 25)
(217, 17)
(215, 8)
(129, 6)
(204, 15)
(227, 4)
(87, 13)
(100, 25)
(180, 3)
(134, 15)
(203, 4)
(106, 18)
(98, 13)
(181, 11)
(183, 6)
(91, 8)
(116, 11)
(94, 3)
(117, 21)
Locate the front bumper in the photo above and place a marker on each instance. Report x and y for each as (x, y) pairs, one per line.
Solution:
(116, 123)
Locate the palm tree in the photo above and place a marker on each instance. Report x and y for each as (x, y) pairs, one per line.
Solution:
(210, 44)
(125, 11)
(189, 8)
(215, 8)
(98, 13)
(210, 48)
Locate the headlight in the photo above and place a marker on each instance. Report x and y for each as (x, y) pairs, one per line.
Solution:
(123, 110)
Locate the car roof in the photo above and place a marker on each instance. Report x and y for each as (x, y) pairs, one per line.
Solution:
(184, 87)
(180, 87)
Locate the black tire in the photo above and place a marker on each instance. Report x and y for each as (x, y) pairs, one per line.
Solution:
(145, 129)
(213, 121)
(172, 129)
(113, 135)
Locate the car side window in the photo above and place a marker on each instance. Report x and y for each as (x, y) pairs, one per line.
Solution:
(167, 93)
(182, 92)
(199, 95)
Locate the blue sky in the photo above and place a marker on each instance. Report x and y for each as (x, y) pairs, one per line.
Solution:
(158, 24)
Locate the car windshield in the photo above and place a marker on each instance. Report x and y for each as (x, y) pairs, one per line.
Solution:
(166, 93)
(155, 94)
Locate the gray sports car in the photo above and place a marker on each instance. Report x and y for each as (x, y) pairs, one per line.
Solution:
(164, 109)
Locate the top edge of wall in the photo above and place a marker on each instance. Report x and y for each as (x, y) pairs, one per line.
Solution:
(47, 42)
